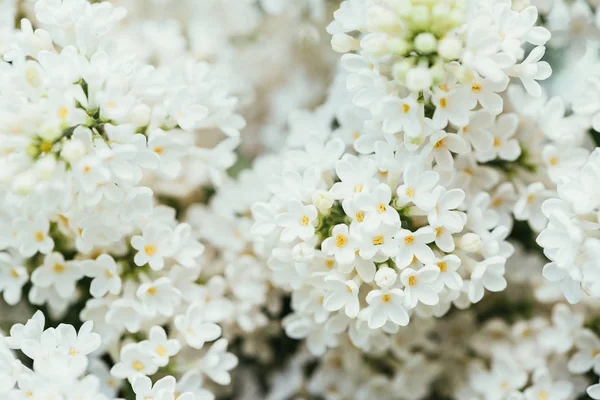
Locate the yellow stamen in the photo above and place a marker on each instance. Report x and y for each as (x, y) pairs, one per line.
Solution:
(412, 280)
(138, 366)
(39, 236)
(304, 221)
(63, 112)
(161, 351)
(378, 240)
(58, 268)
(341, 240)
(409, 239)
(150, 250)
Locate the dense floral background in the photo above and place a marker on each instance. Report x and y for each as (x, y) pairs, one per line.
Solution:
(299, 199)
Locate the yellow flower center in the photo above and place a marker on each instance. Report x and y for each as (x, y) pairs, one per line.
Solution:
(360, 216)
(405, 108)
(304, 220)
(381, 208)
(443, 102)
(412, 280)
(159, 149)
(553, 161)
(14, 273)
(39, 236)
(58, 268)
(151, 291)
(386, 298)
(497, 142)
(108, 274)
(63, 112)
(543, 396)
(46, 146)
(442, 266)
(378, 240)
(161, 351)
(355, 135)
(476, 88)
(150, 250)
(358, 188)
(438, 144)
(138, 365)
(329, 263)
(410, 192)
(341, 240)
(438, 231)
(409, 239)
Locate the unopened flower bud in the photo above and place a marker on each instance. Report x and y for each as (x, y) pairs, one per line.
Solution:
(425, 43)
(419, 79)
(385, 277)
(73, 150)
(470, 242)
(322, 200)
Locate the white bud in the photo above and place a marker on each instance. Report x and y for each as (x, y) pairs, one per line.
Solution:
(45, 167)
(438, 72)
(375, 44)
(418, 79)
(322, 200)
(470, 242)
(73, 150)
(420, 17)
(401, 68)
(342, 43)
(381, 19)
(399, 46)
(385, 277)
(450, 48)
(140, 115)
(24, 183)
(303, 252)
(425, 42)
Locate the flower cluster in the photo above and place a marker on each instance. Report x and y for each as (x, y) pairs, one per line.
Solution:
(539, 358)
(92, 134)
(320, 199)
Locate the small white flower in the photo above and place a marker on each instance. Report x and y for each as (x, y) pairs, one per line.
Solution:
(414, 244)
(152, 246)
(341, 244)
(159, 297)
(195, 329)
(162, 347)
(344, 294)
(419, 286)
(134, 360)
(386, 304)
(298, 221)
(56, 272)
(32, 236)
(105, 275)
